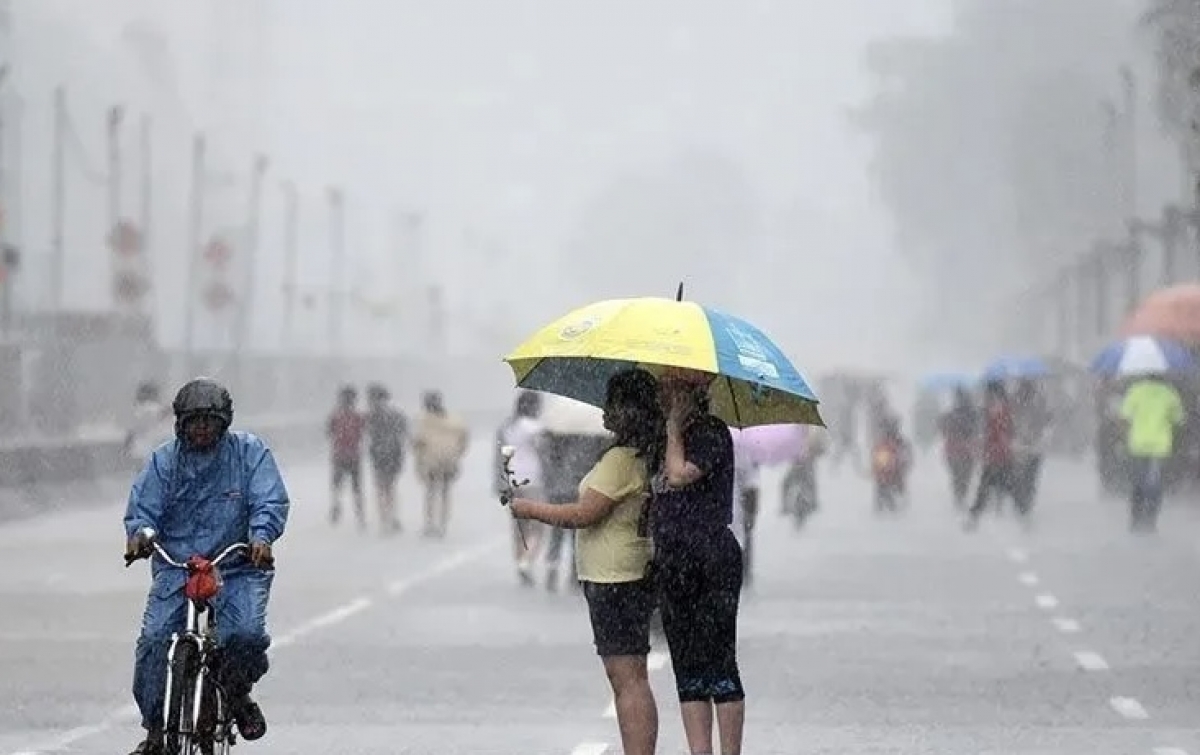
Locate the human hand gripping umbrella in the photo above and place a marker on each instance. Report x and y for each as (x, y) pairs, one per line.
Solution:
(753, 382)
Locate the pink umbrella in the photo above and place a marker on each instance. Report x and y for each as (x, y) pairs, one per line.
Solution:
(770, 444)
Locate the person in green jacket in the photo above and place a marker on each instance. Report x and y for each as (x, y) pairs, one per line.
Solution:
(1153, 412)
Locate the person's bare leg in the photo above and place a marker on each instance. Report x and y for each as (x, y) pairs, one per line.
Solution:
(731, 721)
(637, 713)
(697, 726)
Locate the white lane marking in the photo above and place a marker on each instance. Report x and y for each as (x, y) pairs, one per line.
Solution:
(1066, 626)
(657, 660)
(1017, 555)
(1170, 751)
(1090, 661)
(590, 748)
(1028, 578)
(611, 710)
(1129, 707)
(1046, 601)
(124, 713)
(337, 615)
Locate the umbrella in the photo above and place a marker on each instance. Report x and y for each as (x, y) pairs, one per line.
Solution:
(1143, 355)
(771, 444)
(1172, 312)
(575, 355)
(1009, 367)
(945, 381)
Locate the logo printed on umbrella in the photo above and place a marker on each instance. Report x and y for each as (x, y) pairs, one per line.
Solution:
(751, 354)
(577, 329)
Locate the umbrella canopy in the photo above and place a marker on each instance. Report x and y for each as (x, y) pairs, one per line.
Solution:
(756, 383)
(771, 444)
(1172, 312)
(1143, 355)
(1016, 367)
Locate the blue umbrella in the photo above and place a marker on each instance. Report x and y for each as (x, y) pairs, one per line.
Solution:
(1016, 367)
(1141, 355)
(945, 381)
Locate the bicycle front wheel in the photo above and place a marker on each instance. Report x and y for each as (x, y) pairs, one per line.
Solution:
(180, 730)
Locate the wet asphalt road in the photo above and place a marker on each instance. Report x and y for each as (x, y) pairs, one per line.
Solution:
(861, 635)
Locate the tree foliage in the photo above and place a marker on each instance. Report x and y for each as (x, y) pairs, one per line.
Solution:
(989, 141)
(1175, 28)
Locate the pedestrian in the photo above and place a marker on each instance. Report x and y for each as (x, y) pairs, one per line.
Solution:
(526, 436)
(960, 444)
(345, 431)
(611, 554)
(697, 565)
(1153, 413)
(387, 436)
(439, 443)
(996, 476)
(747, 477)
(1031, 430)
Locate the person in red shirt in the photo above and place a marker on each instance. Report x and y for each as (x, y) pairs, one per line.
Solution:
(996, 476)
(346, 430)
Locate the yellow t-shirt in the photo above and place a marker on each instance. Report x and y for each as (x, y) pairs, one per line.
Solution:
(1154, 411)
(611, 550)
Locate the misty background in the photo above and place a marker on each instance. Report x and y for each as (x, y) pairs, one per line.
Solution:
(871, 181)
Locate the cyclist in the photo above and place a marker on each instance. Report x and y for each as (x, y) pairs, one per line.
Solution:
(205, 490)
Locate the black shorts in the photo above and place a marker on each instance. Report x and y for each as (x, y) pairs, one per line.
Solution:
(386, 469)
(620, 614)
(698, 594)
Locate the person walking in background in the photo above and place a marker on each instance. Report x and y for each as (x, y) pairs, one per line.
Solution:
(996, 477)
(960, 444)
(439, 443)
(151, 424)
(1153, 413)
(1031, 432)
(747, 475)
(387, 435)
(524, 433)
(345, 431)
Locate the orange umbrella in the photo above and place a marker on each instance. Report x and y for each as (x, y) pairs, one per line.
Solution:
(1172, 312)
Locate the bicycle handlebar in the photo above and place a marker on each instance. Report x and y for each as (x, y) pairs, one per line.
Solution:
(152, 537)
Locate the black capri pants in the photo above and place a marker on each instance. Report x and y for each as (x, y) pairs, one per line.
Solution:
(699, 587)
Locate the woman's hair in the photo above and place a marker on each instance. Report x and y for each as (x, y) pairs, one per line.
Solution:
(642, 424)
(529, 404)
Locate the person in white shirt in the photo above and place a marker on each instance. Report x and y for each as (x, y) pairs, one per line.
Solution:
(152, 424)
(524, 432)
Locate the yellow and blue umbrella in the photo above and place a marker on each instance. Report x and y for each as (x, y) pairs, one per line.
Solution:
(575, 355)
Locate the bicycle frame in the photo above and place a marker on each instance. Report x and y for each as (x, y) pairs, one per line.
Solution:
(199, 631)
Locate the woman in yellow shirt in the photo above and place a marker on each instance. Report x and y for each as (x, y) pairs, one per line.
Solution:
(611, 555)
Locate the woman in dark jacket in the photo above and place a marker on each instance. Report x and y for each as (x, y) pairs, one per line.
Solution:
(698, 563)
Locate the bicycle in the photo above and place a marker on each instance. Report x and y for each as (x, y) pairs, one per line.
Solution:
(195, 710)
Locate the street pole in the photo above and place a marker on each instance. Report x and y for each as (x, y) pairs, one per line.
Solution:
(58, 205)
(6, 288)
(146, 212)
(195, 236)
(245, 320)
(1129, 92)
(115, 117)
(291, 244)
(337, 269)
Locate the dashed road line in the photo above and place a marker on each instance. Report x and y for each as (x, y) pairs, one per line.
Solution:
(1090, 661)
(329, 618)
(1129, 707)
(1046, 601)
(1170, 751)
(1017, 555)
(590, 748)
(1028, 578)
(1066, 626)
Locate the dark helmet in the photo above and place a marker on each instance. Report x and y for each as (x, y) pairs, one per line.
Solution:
(203, 397)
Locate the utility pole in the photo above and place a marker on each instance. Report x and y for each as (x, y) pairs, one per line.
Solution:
(58, 182)
(115, 119)
(337, 268)
(244, 321)
(291, 244)
(195, 239)
(146, 210)
(1129, 97)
